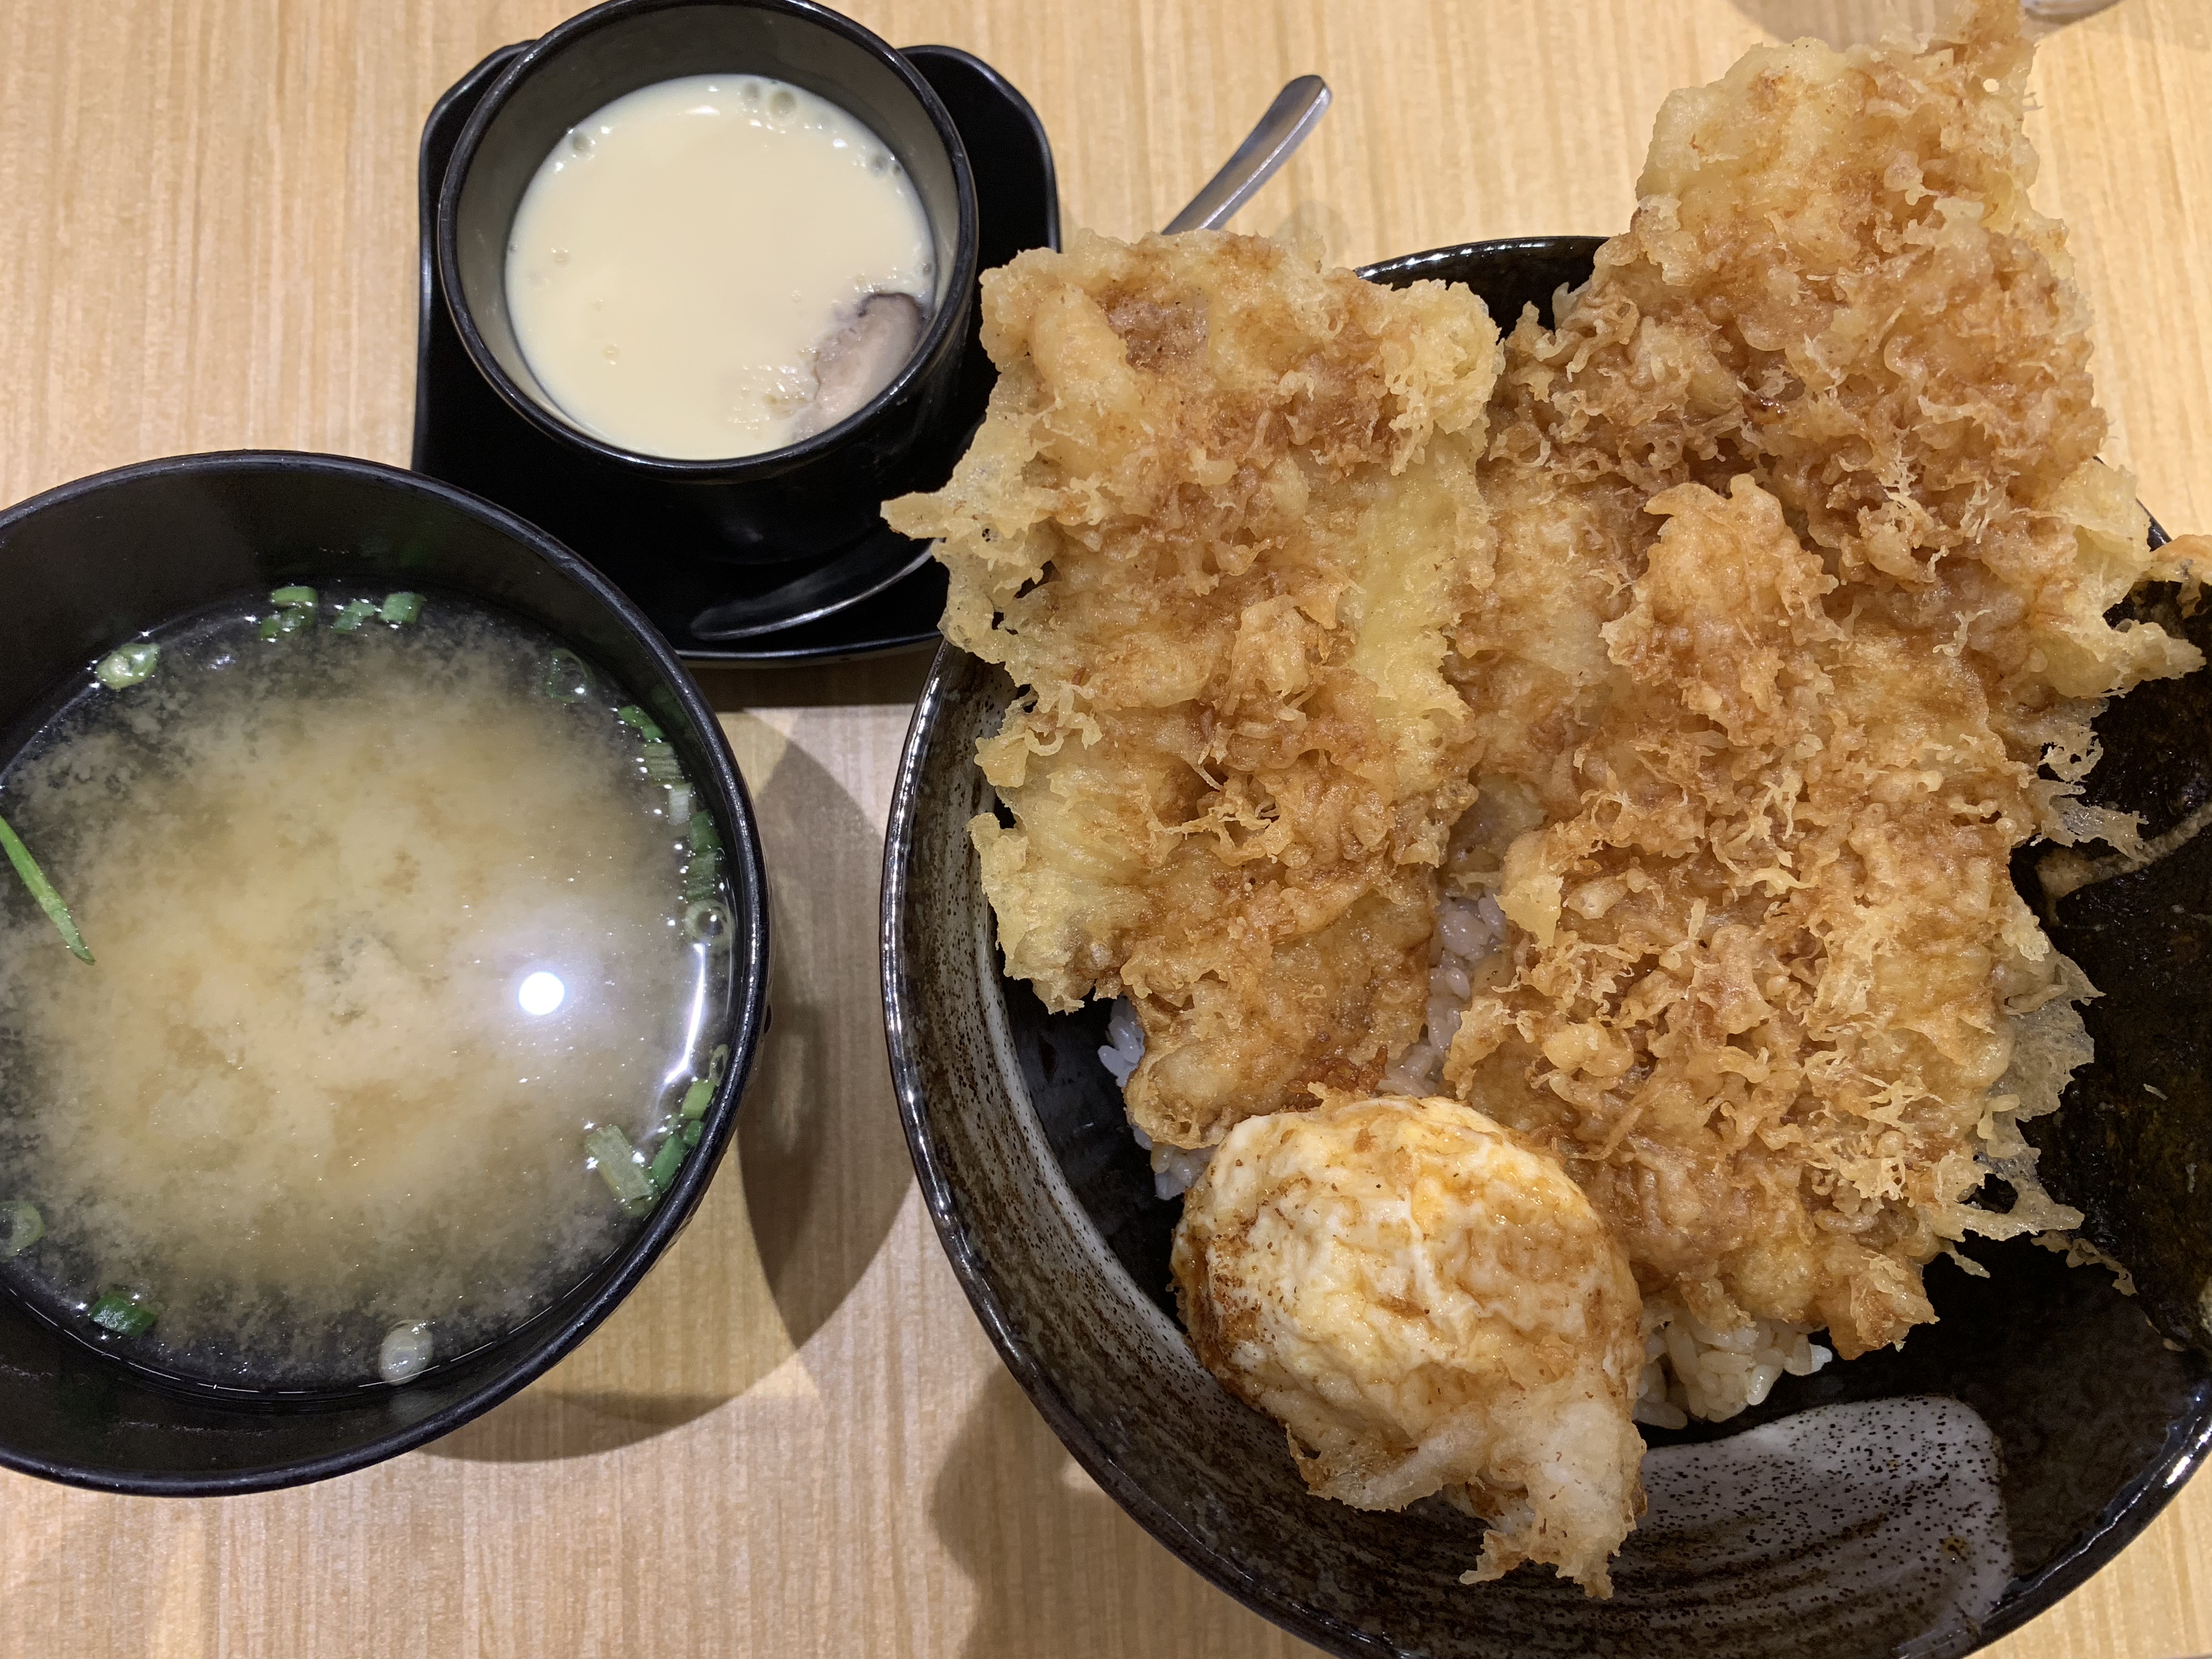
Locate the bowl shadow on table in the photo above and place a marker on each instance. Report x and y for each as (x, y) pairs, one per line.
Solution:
(1057, 1565)
(814, 1180)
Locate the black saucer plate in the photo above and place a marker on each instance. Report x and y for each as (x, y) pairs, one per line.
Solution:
(465, 435)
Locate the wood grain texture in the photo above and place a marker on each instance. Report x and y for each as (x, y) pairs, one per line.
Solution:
(795, 1439)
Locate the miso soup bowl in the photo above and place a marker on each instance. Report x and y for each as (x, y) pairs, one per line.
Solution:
(90, 565)
(2089, 1419)
(808, 499)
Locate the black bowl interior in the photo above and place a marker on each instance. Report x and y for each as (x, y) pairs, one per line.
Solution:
(1046, 1207)
(91, 564)
(592, 61)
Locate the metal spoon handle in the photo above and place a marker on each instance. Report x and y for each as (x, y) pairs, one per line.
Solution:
(1281, 130)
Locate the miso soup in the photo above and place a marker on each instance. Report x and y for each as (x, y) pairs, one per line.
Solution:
(410, 943)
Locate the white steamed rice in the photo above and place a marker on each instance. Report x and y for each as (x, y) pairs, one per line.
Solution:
(1691, 1371)
(1468, 930)
(1174, 1170)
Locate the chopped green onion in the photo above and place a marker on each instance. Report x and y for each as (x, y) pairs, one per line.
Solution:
(631, 714)
(692, 1131)
(43, 890)
(702, 834)
(679, 803)
(124, 1312)
(695, 1098)
(289, 620)
(709, 924)
(702, 876)
(352, 614)
(661, 1172)
(717, 1063)
(619, 1168)
(292, 599)
(567, 679)
(401, 609)
(132, 664)
(25, 1225)
(661, 765)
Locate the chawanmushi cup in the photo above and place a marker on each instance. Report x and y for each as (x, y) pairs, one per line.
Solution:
(806, 501)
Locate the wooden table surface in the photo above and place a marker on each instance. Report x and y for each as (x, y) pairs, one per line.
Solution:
(795, 1439)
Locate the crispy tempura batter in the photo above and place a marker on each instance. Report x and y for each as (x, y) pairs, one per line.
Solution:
(1834, 283)
(1763, 965)
(1427, 1303)
(1770, 955)
(1219, 517)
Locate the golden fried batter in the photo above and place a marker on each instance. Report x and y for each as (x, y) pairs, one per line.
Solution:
(1769, 969)
(1834, 283)
(1428, 1304)
(1765, 966)
(1220, 515)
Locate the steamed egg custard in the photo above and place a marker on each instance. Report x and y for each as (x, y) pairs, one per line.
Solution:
(716, 266)
(407, 944)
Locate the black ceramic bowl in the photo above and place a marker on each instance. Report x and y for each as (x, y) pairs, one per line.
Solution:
(812, 497)
(1047, 1210)
(90, 565)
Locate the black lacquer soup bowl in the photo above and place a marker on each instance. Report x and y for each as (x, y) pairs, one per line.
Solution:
(89, 566)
